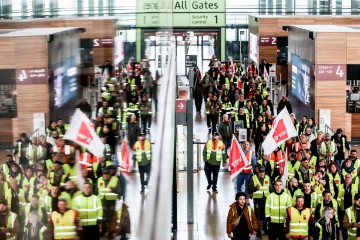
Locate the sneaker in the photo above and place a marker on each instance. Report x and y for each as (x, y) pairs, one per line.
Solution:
(215, 190)
(208, 187)
(142, 190)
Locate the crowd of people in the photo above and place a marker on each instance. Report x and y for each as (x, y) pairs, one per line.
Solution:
(44, 194)
(320, 198)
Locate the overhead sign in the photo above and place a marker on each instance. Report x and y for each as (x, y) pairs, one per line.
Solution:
(191, 60)
(268, 41)
(330, 72)
(180, 13)
(180, 105)
(32, 76)
(103, 43)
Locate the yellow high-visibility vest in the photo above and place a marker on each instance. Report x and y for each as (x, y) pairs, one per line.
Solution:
(64, 224)
(264, 189)
(104, 191)
(299, 223)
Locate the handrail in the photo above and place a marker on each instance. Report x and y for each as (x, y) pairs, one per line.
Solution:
(35, 132)
(329, 130)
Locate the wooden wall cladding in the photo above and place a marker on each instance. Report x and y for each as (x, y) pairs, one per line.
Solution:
(31, 52)
(30, 99)
(7, 56)
(353, 48)
(330, 48)
(267, 52)
(6, 134)
(355, 127)
(100, 55)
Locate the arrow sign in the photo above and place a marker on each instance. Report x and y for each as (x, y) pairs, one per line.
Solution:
(180, 105)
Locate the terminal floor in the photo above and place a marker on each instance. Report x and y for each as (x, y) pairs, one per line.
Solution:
(210, 209)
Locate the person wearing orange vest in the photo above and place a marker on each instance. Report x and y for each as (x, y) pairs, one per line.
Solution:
(299, 147)
(64, 223)
(253, 69)
(213, 154)
(244, 176)
(278, 156)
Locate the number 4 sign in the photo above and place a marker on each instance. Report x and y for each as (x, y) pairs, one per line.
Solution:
(330, 72)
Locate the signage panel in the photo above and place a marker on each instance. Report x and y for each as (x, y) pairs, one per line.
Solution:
(181, 13)
(32, 76)
(191, 60)
(103, 43)
(268, 41)
(180, 105)
(330, 72)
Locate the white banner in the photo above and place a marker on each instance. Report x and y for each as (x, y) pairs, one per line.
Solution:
(282, 129)
(81, 131)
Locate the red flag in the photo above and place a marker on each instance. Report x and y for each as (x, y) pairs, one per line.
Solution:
(81, 131)
(124, 159)
(237, 159)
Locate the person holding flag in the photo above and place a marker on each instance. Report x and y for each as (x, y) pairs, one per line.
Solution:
(244, 176)
(282, 130)
(213, 154)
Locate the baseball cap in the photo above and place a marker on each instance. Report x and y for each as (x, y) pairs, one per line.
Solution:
(106, 171)
(261, 168)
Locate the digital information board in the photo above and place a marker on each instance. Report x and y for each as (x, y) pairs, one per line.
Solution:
(176, 13)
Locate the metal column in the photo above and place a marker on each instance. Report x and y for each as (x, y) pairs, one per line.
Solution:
(190, 162)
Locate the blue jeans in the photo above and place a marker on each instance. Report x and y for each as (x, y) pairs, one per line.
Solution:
(338, 163)
(241, 179)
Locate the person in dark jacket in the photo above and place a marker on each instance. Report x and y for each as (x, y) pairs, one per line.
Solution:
(85, 107)
(284, 103)
(198, 94)
(247, 224)
(326, 227)
(226, 130)
(20, 150)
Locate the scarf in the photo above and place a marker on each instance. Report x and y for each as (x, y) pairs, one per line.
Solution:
(349, 169)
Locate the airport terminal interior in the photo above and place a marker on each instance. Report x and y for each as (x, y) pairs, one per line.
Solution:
(149, 97)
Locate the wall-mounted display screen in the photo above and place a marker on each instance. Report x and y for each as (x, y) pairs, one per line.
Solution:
(65, 81)
(300, 79)
(8, 107)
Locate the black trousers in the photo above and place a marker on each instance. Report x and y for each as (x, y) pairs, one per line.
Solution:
(146, 122)
(108, 212)
(259, 205)
(277, 231)
(90, 232)
(214, 120)
(198, 102)
(214, 171)
(144, 170)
